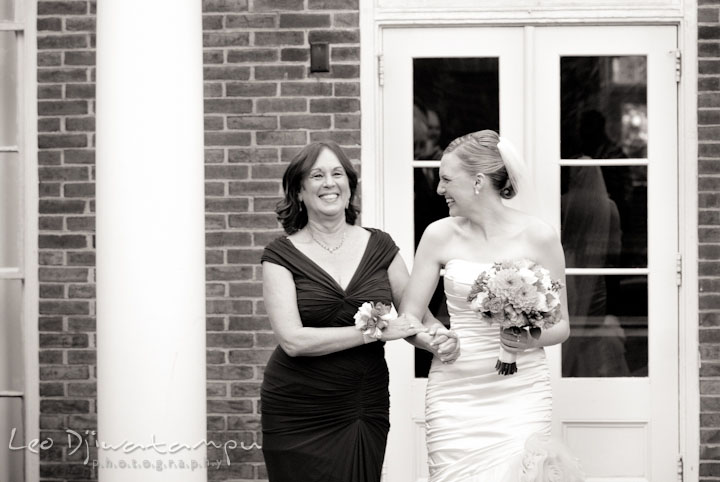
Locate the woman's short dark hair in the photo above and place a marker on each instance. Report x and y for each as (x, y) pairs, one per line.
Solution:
(290, 211)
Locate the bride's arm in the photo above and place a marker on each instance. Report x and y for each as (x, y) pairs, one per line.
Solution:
(297, 340)
(398, 275)
(419, 291)
(549, 254)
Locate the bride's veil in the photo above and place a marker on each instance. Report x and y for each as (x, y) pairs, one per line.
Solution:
(526, 198)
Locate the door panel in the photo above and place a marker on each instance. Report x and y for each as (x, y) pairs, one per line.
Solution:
(593, 110)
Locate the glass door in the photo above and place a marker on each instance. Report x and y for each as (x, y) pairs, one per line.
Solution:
(593, 110)
(606, 147)
(439, 84)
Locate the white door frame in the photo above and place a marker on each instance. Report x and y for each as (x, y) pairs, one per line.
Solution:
(374, 19)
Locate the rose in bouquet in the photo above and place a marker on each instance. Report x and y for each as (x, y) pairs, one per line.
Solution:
(516, 294)
(372, 318)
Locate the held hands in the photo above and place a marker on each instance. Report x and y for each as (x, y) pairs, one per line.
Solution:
(515, 340)
(402, 327)
(444, 344)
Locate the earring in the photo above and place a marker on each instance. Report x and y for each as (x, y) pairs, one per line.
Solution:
(476, 189)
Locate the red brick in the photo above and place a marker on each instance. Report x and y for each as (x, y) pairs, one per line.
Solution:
(335, 37)
(52, 291)
(54, 241)
(229, 406)
(249, 323)
(213, 57)
(215, 222)
(286, 72)
(226, 372)
(63, 174)
(344, 138)
(49, 91)
(252, 221)
(80, 91)
(62, 8)
(226, 172)
(49, 24)
(266, 340)
(252, 122)
(85, 291)
(268, 171)
(334, 105)
(80, 24)
(304, 20)
(346, 19)
(81, 324)
(82, 390)
(244, 256)
(245, 390)
(49, 59)
(232, 205)
(250, 21)
(63, 274)
(63, 41)
(51, 258)
(80, 58)
(230, 238)
(66, 406)
(228, 106)
(253, 155)
(250, 357)
(281, 138)
(252, 56)
(226, 73)
(228, 273)
(215, 290)
(347, 121)
(349, 89)
(339, 71)
(333, 4)
(281, 105)
(51, 389)
(309, 89)
(62, 140)
(243, 423)
(224, 5)
(227, 138)
(49, 124)
(81, 258)
(265, 204)
(50, 223)
(226, 39)
(305, 122)
(212, 22)
(50, 158)
(238, 290)
(301, 54)
(230, 340)
(64, 307)
(247, 89)
(273, 5)
(262, 238)
(55, 75)
(61, 206)
(214, 188)
(83, 223)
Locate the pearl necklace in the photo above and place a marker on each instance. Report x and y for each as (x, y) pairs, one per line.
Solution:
(325, 246)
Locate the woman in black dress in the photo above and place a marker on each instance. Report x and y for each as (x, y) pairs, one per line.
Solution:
(324, 397)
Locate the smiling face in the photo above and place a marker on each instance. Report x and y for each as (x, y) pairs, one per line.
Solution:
(325, 190)
(456, 185)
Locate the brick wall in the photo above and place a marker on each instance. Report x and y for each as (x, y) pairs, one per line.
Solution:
(709, 235)
(66, 59)
(262, 104)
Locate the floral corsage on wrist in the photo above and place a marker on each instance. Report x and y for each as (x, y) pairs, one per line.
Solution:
(372, 318)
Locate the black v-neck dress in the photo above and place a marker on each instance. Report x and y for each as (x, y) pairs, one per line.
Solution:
(325, 418)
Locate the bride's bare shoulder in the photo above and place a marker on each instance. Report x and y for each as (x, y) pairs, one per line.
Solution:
(538, 232)
(439, 231)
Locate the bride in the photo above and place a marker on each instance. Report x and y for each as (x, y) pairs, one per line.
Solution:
(480, 424)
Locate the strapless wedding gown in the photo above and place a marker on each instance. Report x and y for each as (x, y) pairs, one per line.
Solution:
(477, 421)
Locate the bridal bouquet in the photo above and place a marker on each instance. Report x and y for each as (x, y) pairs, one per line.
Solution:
(373, 318)
(516, 294)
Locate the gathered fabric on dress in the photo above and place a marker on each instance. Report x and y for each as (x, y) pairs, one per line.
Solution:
(478, 422)
(326, 418)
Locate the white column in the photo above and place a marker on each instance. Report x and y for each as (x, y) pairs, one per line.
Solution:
(150, 240)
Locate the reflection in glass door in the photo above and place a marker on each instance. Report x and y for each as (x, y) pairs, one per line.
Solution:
(451, 97)
(439, 84)
(603, 220)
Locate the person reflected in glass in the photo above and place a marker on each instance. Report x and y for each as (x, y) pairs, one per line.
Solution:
(324, 396)
(592, 238)
(481, 425)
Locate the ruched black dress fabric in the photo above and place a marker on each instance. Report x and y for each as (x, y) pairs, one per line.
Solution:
(325, 418)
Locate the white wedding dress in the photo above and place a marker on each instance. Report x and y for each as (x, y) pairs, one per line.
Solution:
(478, 422)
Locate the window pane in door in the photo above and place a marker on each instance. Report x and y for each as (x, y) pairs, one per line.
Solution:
(10, 192)
(11, 461)
(452, 97)
(608, 326)
(603, 107)
(11, 354)
(8, 89)
(604, 216)
(7, 9)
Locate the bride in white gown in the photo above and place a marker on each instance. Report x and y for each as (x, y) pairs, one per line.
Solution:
(480, 424)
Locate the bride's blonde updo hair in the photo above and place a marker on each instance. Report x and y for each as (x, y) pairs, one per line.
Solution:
(478, 153)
